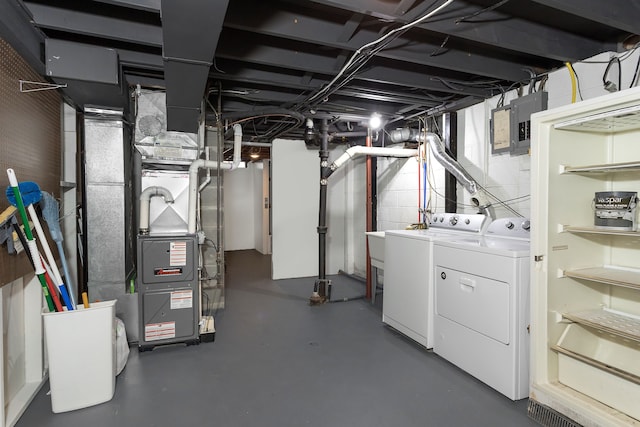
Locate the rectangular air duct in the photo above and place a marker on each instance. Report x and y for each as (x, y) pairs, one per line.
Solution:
(190, 33)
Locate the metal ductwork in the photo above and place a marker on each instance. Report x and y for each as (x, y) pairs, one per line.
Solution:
(438, 150)
(190, 33)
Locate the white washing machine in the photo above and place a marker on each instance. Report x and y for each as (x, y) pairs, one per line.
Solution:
(482, 305)
(407, 304)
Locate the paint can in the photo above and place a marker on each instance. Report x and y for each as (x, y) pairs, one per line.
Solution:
(615, 210)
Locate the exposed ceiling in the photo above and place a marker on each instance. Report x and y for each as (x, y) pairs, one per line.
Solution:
(271, 64)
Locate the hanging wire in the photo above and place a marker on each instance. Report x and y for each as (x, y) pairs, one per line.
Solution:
(635, 74)
(480, 12)
(366, 52)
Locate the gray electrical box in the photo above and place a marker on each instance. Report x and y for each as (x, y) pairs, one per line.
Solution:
(169, 303)
(521, 110)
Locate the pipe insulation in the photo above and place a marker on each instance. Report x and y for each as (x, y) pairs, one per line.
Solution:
(359, 150)
(438, 151)
(145, 201)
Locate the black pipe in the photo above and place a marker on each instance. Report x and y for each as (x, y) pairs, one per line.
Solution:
(450, 133)
(322, 288)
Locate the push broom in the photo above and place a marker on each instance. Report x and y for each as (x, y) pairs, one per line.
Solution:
(49, 207)
(31, 242)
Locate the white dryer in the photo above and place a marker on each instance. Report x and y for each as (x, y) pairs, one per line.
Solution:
(482, 305)
(408, 272)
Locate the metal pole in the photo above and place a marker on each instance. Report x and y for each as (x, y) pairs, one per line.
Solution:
(369, 214)
(450, 136)
(322, 288)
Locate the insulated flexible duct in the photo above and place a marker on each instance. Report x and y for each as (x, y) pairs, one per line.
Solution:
(438, 150)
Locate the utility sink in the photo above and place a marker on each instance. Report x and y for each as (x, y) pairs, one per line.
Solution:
(376, 248)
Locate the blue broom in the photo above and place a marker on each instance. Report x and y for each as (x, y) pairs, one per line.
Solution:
(50, 209)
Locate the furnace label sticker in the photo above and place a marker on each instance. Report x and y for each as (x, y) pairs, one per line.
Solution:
(178, 253)
(159, 331)
(181, 299)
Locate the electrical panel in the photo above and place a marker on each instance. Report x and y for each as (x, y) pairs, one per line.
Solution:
(511, 124)
(521, 110)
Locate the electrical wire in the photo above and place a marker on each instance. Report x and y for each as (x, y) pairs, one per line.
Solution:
(500, 202)
(622, 57)
(480, 12)
(609, 86)
(635, 74)
(360, 56)
(574, 85)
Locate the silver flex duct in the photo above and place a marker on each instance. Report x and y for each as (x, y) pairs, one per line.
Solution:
(438, 150)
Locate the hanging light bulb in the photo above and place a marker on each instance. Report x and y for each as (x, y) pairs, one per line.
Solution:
(375, 121)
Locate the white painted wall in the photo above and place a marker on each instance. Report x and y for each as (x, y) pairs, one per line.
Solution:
(257, 168)
(239, 209)
(295, 200)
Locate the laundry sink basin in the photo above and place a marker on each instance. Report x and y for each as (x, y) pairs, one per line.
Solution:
(376, 248)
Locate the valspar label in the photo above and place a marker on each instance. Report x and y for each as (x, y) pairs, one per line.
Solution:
(615, 210)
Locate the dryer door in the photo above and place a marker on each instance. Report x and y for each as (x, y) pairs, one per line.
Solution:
(476, 302)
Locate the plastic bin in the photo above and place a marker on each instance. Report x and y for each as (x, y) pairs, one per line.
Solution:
(81, 350)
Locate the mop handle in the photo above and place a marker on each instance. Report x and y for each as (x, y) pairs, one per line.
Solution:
(13, 181)
(32, 246)
(52, 262)
(67, 274)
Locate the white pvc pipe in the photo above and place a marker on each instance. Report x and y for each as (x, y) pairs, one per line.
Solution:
(237, 144)
(193, 186)
(145, 201)
(359, 150)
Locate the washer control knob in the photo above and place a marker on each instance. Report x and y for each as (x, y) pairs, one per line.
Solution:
(435, 219)
(526, 225)
(467, 221)
(441, 218)
(453, 220)
(443, 275)
(509, 225)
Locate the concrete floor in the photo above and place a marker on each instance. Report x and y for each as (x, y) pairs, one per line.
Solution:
(276, 361)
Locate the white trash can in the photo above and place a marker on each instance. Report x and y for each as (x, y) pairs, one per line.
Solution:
(81, 351)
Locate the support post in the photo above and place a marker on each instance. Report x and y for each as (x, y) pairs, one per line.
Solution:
(450, 139)
(369, 215)
(322, 288)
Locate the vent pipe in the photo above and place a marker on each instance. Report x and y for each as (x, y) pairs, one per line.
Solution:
(145, 201)
(438, 151)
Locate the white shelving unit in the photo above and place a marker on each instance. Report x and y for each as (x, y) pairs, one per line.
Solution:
(585, 279)
(23, 368)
